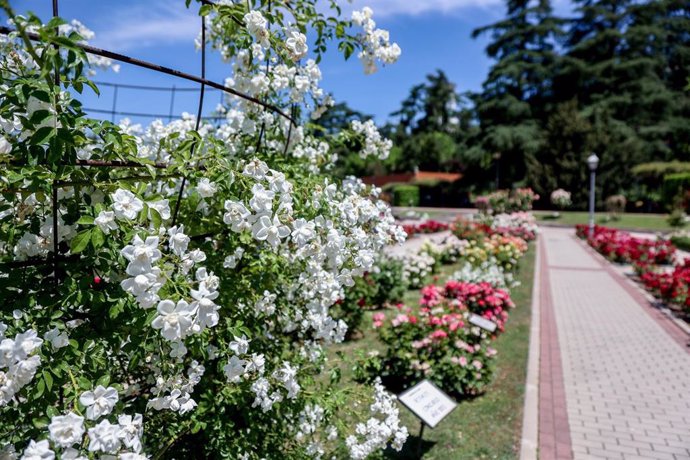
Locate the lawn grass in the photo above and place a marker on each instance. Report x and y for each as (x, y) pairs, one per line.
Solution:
(488, 427)
(654, 222)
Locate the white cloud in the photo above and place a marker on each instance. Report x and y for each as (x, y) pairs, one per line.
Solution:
(156, 23)
(415, 7)
(497, 8)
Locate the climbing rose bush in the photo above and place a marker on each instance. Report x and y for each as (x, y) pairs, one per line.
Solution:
(179, 305)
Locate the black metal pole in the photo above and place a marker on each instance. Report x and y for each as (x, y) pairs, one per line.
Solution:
(421, 440)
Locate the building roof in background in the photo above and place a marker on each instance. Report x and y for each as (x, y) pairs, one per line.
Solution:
(412, 178)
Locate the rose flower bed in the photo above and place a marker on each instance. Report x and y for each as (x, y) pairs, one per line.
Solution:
(650, 260)
(429, 226)
(437, 341)
(479, 298)
(671, 287)
(619, 246)
(439, 344)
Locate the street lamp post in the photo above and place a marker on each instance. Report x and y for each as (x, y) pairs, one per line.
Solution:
(592, 162)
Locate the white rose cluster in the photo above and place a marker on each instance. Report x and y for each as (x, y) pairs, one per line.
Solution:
(31, 245)
(174, 393)
(376, 42)
(518, 220)
(382, 426)
(18, 362)
(176, 319)
(375, 145)
(452, 248)
(489, 271)
(416, 268)
(67, 431)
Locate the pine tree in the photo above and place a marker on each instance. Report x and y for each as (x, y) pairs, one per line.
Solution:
(512, 103)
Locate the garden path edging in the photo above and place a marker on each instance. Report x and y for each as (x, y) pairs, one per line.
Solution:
(555, 441)
(529, 442)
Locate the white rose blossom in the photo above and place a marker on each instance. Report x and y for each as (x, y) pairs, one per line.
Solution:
(126, 205)
(99, 402)
(66, 430)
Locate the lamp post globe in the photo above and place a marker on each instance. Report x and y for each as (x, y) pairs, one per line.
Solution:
(593, 163)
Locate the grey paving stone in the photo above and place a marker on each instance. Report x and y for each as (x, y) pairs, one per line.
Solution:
(626, 380)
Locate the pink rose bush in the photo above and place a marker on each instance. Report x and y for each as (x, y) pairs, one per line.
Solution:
(439, 344)
(479, 298)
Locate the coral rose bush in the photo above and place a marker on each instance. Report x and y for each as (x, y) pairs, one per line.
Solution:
(178, 304)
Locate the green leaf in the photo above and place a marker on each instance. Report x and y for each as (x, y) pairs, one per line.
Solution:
(80, 241)
(97, 237)
(42, 135)
(156, 218)
(48, 378)
(85, 220)
(105, 381)
(40, 423)
(40, 389)
(115, 311)
(84, 384)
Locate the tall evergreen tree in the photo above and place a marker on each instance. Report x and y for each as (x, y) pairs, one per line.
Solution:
(433, 126)
(513, 100)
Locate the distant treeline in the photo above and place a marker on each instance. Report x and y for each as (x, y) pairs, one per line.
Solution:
(611, 79)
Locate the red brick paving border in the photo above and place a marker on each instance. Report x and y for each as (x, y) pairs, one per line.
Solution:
(673, 330)
(554, 430)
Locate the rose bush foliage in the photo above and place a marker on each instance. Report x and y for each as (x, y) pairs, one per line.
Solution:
(438, 344)
(180, 306)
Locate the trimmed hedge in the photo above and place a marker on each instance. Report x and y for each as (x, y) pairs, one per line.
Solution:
(658, 169)
(681, 242)
(675, 184)
(406, 195)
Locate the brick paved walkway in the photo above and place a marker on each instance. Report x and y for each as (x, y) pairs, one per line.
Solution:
(624, 379)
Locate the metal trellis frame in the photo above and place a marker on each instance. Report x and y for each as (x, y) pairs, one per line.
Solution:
(205, 84)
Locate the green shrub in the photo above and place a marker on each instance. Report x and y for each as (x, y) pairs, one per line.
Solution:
(615, 206)
(390, 283)
(658, 169)
(676, 218)
(406, 195)
(675, 185)
(681, 242)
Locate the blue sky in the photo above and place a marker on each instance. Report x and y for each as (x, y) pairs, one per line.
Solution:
(433, 34)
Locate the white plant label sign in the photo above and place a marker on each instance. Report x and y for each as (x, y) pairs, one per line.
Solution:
(428, 402)
(482, 322)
